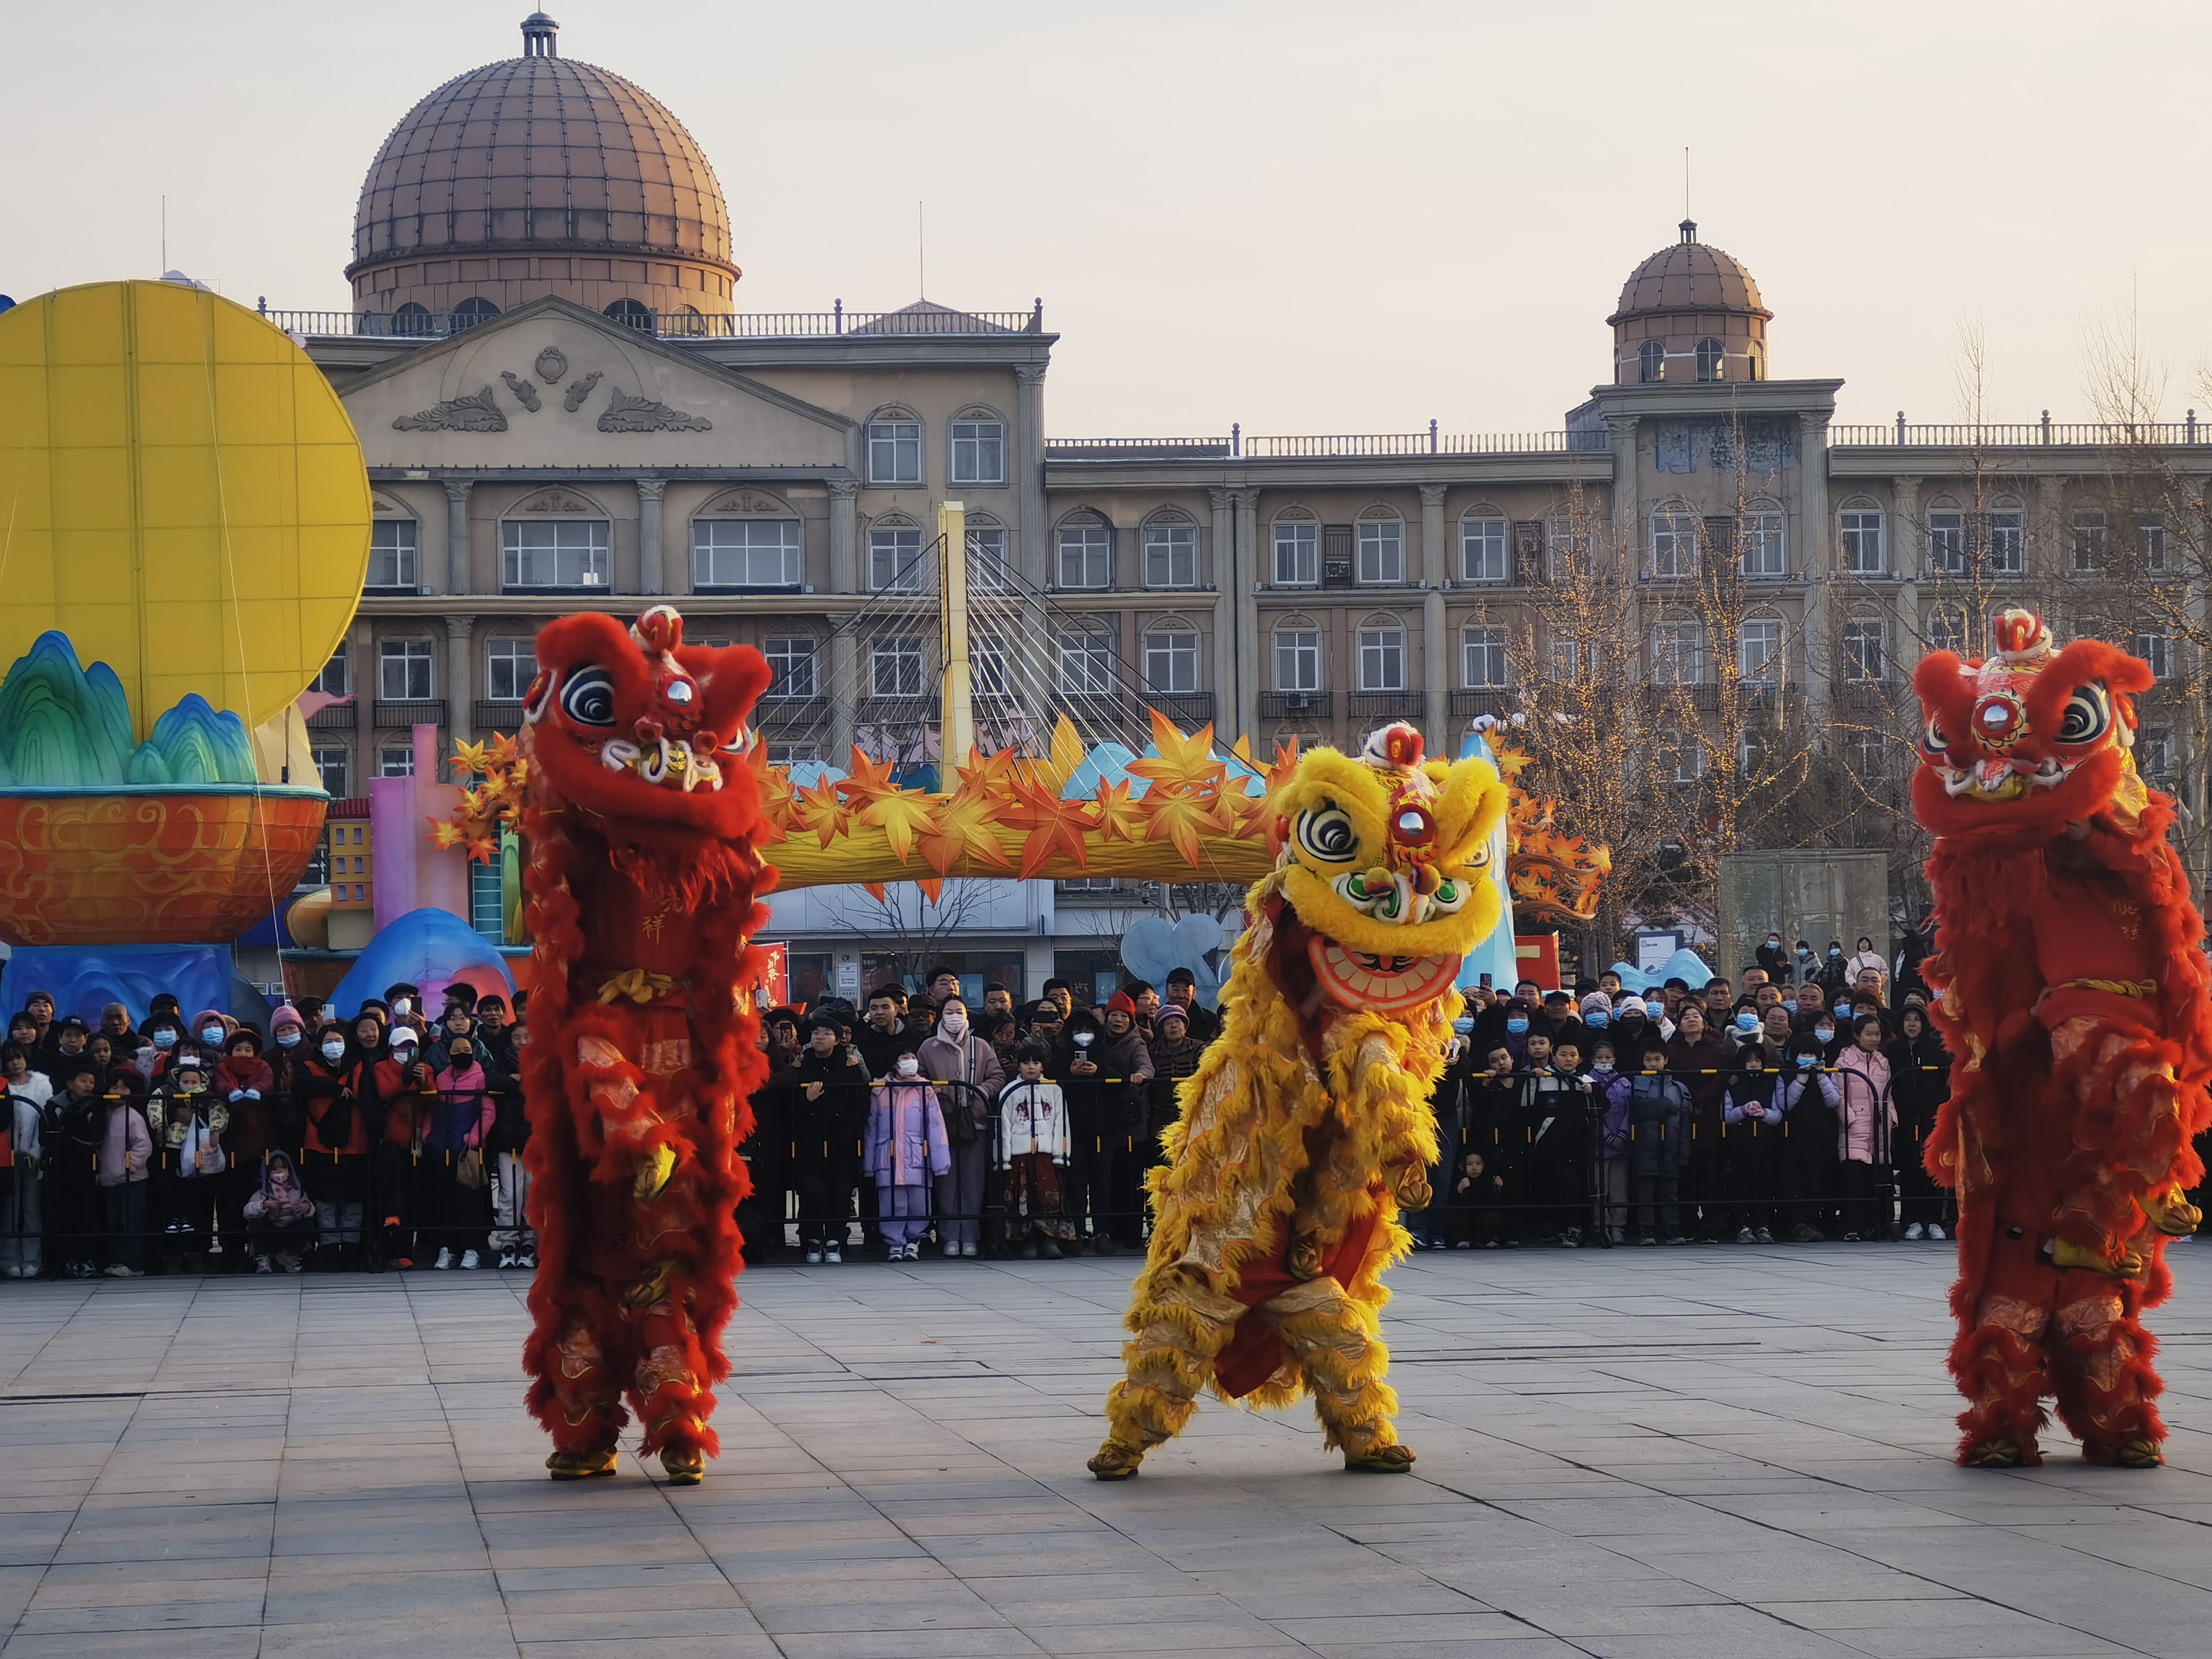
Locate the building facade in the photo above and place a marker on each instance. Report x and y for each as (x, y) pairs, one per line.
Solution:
(561, 407)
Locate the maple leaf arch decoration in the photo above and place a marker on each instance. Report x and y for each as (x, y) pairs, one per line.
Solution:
(1010, 814)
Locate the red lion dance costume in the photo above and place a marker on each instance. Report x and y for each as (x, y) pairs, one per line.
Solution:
(2072, 990)
(641, 1054)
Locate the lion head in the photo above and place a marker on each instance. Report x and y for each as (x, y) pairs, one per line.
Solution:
(2031, 740)
(1383, 861)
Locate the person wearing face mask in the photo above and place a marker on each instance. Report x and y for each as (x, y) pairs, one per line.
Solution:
(335, 1135)
(829, 1119)
(402, 999)
(1835, 970)
(1773, 958)
(968, 1075)
(461, 1113)
(403, 1090)
(906, 1148)
(1595, 1013)
(22, 1114)
(1517, 1022)
(1807, 1175)
(187, 1119)
(1610, 1087)
(1701, 1058)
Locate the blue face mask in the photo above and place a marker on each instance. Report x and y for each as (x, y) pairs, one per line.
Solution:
(1517, 1025)
(1825, 1033)
(288, 1039)
(1747, 1022)
(1808, 1062)
(1597, 1021)
(1463, 1024)
(165, 1039)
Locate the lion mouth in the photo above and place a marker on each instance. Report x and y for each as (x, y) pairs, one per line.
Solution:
(665, 764)
(1363, 979)
(1999, 780)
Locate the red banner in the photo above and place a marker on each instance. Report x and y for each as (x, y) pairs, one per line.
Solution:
(1536, 956)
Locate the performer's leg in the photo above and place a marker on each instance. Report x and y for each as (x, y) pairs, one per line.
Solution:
(1998, 1358)
(579, 1396)
(1180, 1328)
(1333, 1341)
(672, 1402)
(2100, 1370)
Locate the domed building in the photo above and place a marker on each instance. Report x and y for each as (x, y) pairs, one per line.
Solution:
(1689, 313)
(538, 175)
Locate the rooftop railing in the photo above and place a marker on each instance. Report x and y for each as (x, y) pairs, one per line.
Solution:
(1240, 445)
(426, 325)
(1905, 434)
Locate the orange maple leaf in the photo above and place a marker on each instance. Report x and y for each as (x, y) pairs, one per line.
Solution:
(1120, 818)
(901, 815)
(820, 810)
(1054, 826)
(445, 834)
(964, 827)
(869, 779)
(484, 849)
(1181, 817)
(1183, 762)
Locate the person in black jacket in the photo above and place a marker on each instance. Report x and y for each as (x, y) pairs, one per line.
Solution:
(73, 1124)
(767, 1149)
(1103, 1072)
(1919, 1084)
(829, 1116)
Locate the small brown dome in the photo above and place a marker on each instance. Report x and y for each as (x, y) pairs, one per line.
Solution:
(540, 174)
(1689, 276)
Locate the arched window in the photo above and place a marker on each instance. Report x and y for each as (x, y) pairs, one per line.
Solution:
(1759, 650)
(1866, 651)
(1482, 531)
(754, 551)
(413, 317)
(988, 569)
(1763, 530)
(1859, 526)
(1484, 665)
(894, 447)
(474, 310)
(631, 313)
(1382, 550)
(1946, 629)
(1678, 654)
(1651, 363)
(1170, 657)
(1674, 542)
(2089, 534)
(510, 664)
(1086, 551)
(894, 561)
(2008, 551)
(1170, 540)
(979, 447)
(555, 540)
(1947, 537)
(1298, 548)
(1709, 359)
(1381, 648)
(1297, 656)
(1757, 356)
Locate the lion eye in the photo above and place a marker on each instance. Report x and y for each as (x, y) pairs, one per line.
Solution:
(1327, 834)
(588, 698)
(1450, 895)
(2088, 714)
(1935, 738)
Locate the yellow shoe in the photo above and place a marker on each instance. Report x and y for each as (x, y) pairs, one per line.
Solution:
(580, 1465)
(1998, 1454)
(2143, 1454)
(684, 1465)
(1393, 1459)
(1116, 1462)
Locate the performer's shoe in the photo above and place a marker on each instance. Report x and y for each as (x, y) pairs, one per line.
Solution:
(1116, 1462)
(1994, 1453)
(2142, 1453)
(580, 1465)
(685, 1466)
(1393, 1459)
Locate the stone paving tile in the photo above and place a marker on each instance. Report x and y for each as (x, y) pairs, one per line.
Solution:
(1624, 1457)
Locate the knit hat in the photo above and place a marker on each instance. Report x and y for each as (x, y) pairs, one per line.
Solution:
(1120, 1003)
(1633, 1005)
(243, 1034)
(1597, 1003)
(208, 1017)
(286, 1015)
(1171, 1011)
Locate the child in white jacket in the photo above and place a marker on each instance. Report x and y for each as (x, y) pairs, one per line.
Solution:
(21, 1216)
(1033, 1148)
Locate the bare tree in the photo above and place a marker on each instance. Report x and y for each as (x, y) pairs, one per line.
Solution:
(900, 921)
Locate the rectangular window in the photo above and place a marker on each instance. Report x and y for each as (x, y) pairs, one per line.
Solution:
(2155, 648)
(987, 673)
(2155, 756)
(404, 671)
(987, 570)
(1171, 554)
(895, 452)
(2088, 541)
(1086, 665)
(1086, 556)
(1171, 661)
(1298, 553)
(1946, 542)
(1574, 660)
(791, 667)
(334, 766)
(979, 452)
(1765, 552)
(1673, 546)
(2150, 544)
(792, 754)
(1382, 659)
(1297, 659)
(392, 561)
(2007, 543)
(336, 677)
(513, 666)
(1946, 629)
(1862, 543)
(559, 553)
(1482, 550)
(895, 562)
(745, 552)
(894, 668)
(395, 763)
(1866, 654)
(1382, 551)
(1678, 654)
(1759, 652)
(1482, 656)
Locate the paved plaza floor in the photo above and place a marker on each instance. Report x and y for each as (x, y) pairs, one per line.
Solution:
(1634, 1453)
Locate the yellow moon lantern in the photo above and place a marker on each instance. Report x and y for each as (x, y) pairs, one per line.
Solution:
(182, 493)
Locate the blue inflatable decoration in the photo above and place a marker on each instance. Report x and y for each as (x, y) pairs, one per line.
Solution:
(83, 979)
(429, 949)
(1153, 946)
(1495, 955)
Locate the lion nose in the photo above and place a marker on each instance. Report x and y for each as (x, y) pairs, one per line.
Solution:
(651, 728)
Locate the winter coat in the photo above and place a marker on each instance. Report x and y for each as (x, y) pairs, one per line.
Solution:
(1919, 1081)
(1659, 1116)
(408, 1096)
(1753, 1089)
(1865, 1115)
(27, 1100)
(1808, 1106)
(839, 1115)
(175, 1117)
(126, 1144)
(280, 1200)
(906, 1143)
(246, 1085)
(1555, 1110)
(1174, 1061)
(325, 1097)
(1864, 960)
(970, 1061)
(1612, 1127)
(1032, 1118)
(1703, 1067)
(463, 1113)
(1107, 1103)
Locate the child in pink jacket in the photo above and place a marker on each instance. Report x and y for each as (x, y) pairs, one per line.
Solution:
(1866, 1124)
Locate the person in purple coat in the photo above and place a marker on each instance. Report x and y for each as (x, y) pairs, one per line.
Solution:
(906, 1147)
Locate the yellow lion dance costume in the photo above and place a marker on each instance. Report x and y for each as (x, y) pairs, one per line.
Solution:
(1307, 1127)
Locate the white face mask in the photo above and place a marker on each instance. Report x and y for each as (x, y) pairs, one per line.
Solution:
(908, 1065)
(334, 1051)
(1603, 1068)
(403, 1006)
(953, 1020)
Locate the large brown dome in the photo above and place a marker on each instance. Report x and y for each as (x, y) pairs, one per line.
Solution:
(541, 175)
(1689, 312)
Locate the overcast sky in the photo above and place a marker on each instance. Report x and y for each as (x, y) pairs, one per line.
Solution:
(1307, 217)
